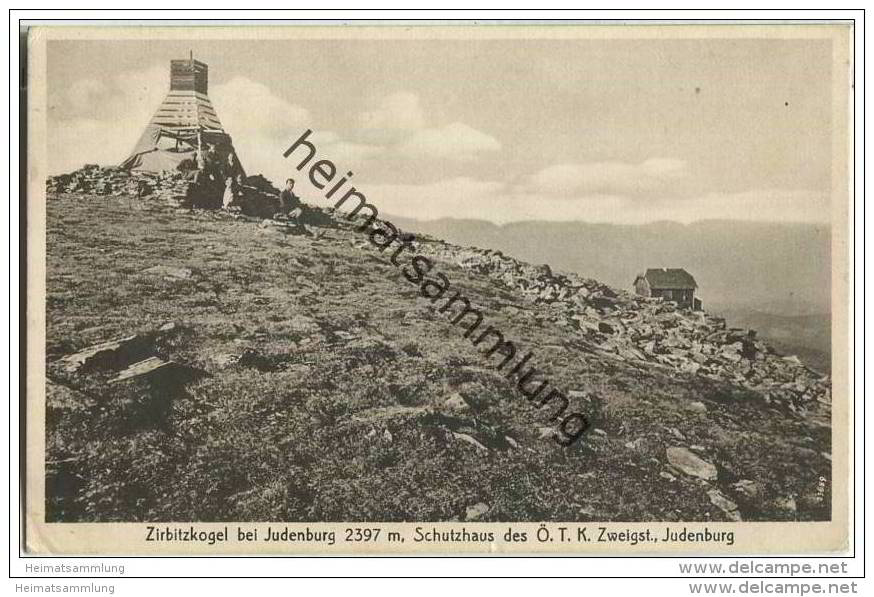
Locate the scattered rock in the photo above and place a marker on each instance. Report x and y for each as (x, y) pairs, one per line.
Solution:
(170, 273)
(467, 438)
(456, 402)
(786, 503)
(178, 190)
(545, 432)
(587, 511)
(692, 465)
(748, 489)
(476, 511)
(252, 359)
(697, 407)
(676, 433)
(156, 369)
(143, 368)
(724, 504)
(225, 359)
(104, 355)
(637, 328)
(170, 326)
(639, 445)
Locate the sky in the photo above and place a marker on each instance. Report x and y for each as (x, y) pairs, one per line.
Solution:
(613, 130)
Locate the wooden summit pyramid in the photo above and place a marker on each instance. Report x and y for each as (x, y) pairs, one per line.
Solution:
(185, 127)
(187, 104)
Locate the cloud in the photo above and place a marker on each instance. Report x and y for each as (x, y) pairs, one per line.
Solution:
(261, 123)
(396, 111)
(100, 121)
(352, 154)
(608, 177)
(399, 123)
(248, 107)
(456, 141)
(665, 168)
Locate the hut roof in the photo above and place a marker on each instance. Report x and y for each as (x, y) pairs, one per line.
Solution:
(670, 278)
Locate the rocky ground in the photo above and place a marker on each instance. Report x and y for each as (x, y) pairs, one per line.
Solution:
(203, 367)
(174, 189)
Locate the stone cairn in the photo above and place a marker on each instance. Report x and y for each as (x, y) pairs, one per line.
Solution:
(173, 188)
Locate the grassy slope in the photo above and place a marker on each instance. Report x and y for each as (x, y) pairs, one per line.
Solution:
(330, 427)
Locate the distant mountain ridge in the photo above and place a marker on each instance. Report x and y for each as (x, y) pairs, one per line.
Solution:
(735, 263)
(743, 269)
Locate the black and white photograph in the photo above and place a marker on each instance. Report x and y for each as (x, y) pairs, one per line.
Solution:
(465, 281)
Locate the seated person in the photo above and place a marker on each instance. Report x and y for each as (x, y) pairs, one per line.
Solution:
(290, 205)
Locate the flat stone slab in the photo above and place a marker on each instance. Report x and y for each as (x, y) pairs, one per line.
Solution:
(469, 439)
(77, 360)
(724, 504)
(390, 412)
(689, 463)
(170, 273)
(144, 367)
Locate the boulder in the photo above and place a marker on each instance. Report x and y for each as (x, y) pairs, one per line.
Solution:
(724, 504)
(476, 511)
(143, 368)
(470, 440)
(158, 370)
(676, 433)
(697, 407)
(684, 460)
(105, 353)
(170, 273)
(545, 432)
(748, 489)
(786, 503)
(456, 402)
